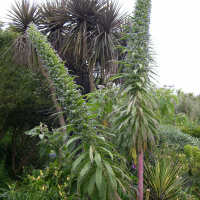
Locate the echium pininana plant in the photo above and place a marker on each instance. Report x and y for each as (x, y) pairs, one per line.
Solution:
(66, 88)
(96, 166)
(135, 120)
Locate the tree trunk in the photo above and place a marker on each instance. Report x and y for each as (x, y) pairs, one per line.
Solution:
(140, 175)
(91, 78)
(55, 102)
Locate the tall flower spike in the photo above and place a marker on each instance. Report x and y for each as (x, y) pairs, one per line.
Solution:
(66, 88)
(139, 128)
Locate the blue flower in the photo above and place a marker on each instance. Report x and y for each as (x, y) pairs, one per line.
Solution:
(52, 155)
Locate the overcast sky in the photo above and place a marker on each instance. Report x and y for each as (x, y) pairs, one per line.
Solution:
(175, 30)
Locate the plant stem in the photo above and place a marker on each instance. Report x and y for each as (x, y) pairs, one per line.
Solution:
(140, 175)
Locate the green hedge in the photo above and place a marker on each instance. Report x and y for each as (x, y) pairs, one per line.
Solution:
(191, 130)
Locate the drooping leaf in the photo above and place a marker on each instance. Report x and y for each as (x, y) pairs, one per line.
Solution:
(98, 178)
(91, 185)
(84, 171)
(73, 139)
(77, 161)
(91, 153)
(97, 159)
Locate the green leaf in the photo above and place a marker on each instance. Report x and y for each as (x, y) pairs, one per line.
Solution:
(95, 194)
(41, 136)
(129, 107)
(84, 171)
(91, 185)
(93, 116)
(120, 68)
(101, 138)
(73, 139)
(33, 132)
(109, 105)
(116, 77)
(110, 174)
(77, 162)
(43, 148)
(98, 178)
(139, 84)
(142, 78)
(71, 146)
(101, 96)
(97, 159)
(73, 187)
(104, 188)
(91, 154)
(108, 152)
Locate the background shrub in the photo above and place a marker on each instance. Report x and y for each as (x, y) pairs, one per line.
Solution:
(191, 130)
(173, 135)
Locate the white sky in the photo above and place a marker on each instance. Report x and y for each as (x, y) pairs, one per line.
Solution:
(175, 30)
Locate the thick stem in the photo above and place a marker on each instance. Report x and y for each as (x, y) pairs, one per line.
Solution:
(140, 175)
(91, 78)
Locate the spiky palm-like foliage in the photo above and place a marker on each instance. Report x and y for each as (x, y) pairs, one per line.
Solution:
(106, 36)
(76, 20)
(21, 14)
(164, 179)
(90, 29)
(84, 18)
(47, 24)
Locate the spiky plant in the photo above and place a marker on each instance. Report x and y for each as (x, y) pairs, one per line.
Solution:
(89, 32)
(106, 37)
(21, 14)
(79, 17)
(47, 25)
(164, 179)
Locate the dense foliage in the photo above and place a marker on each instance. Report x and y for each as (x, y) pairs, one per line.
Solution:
(96, 164)
(22, 93)
(84, 32)
(98, 152)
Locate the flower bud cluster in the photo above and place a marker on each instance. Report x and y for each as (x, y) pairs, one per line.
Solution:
(66, 89)
(139, 56)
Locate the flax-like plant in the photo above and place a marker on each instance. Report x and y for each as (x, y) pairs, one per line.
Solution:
(135, 120)
(97, 168)
(164, 179)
